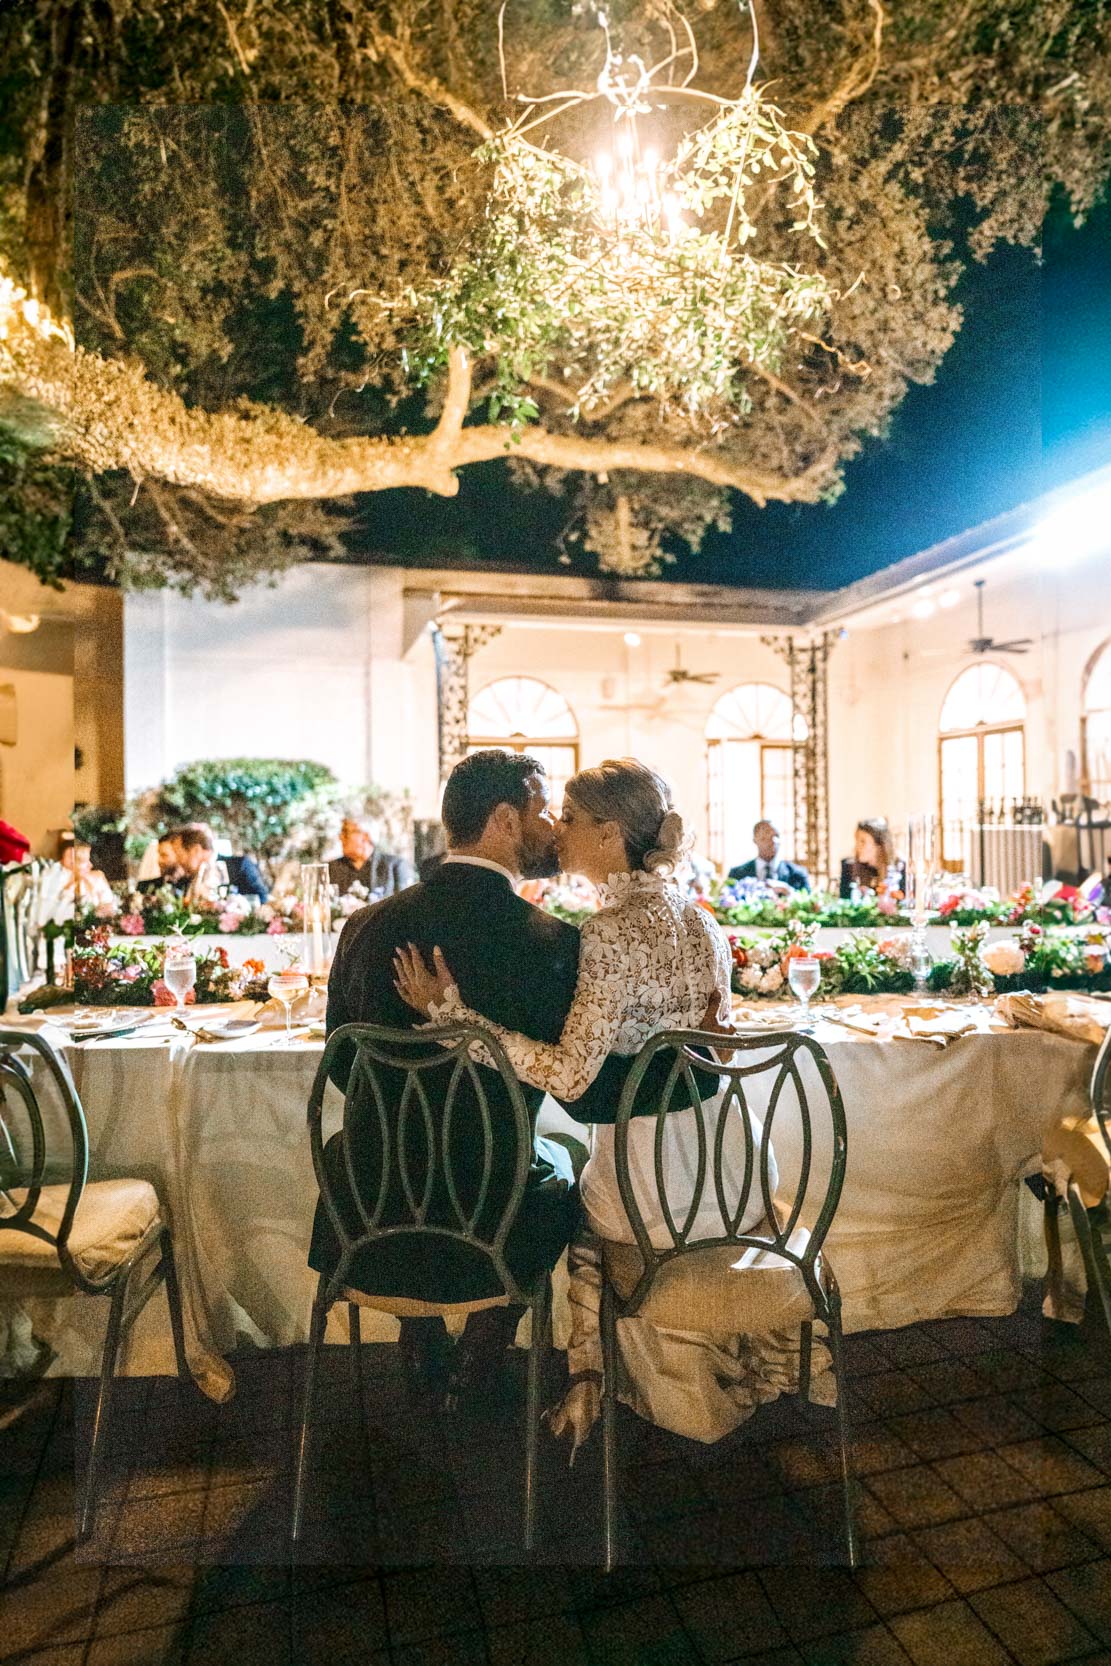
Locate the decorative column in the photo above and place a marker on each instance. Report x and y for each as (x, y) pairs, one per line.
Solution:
(454, 649)
(808, 668)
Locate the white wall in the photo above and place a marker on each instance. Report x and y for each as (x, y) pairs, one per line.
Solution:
(316, 668)
(36, 774)
(312, 668)
(890, 676)
(622, 701)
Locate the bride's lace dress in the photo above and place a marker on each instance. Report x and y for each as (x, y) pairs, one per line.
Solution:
(649, 961)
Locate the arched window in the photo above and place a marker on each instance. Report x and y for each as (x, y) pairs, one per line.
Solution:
(982, 747)
(526, 715)
(750, 747)
(1095, 728)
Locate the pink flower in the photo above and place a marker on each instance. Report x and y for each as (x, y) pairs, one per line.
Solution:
(228, 922)
(276, 928)
(887, 904)
(164, 998)
(132, 925)
(106, 911)
(128, 974)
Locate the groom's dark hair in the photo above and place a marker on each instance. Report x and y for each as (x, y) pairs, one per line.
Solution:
(476, 787)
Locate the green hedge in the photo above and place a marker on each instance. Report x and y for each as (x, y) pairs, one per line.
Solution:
(254, 802)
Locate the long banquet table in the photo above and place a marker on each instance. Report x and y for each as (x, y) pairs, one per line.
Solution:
(928, 1224)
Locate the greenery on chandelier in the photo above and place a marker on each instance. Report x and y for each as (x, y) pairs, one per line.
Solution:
(266, 223)
(650, 305)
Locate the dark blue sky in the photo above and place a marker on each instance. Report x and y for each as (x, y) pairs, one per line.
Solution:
(1021, 402)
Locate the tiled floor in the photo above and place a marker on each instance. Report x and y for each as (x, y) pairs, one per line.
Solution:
(983, 1451)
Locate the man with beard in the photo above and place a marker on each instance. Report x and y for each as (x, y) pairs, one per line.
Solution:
(519, 965)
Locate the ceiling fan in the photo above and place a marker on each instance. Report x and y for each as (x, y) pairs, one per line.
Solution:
(679, 673)
(982, 644)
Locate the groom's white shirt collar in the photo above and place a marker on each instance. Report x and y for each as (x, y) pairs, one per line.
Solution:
(482, 862)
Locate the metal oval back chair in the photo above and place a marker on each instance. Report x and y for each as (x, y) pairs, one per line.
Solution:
(62, 1234)
(767, 1275)
(448, 1165)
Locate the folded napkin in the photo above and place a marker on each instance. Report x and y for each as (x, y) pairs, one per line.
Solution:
(940, 1026)
(1078, 1017)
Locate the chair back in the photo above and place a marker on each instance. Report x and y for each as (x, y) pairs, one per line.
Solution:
(432, 1144)
(33, 1154)
(18, 894)
(1100, 1091)
(773, 1063)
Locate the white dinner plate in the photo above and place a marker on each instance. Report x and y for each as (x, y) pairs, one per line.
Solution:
(230, 1028)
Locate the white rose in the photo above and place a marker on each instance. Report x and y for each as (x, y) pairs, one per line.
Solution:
(1005, 959)
(771, 981)
(751, 977)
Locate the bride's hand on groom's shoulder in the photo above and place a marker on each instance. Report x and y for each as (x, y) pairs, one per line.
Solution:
(418, 987)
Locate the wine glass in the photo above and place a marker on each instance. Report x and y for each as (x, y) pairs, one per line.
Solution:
(179, 972)
(804, 974)
(285, 987)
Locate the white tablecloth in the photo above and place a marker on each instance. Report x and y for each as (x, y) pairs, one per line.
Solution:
(928, 1223)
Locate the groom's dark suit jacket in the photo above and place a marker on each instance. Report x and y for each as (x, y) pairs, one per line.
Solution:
(517, 965)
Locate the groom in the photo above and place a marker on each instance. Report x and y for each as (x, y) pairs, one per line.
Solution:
(515, 963)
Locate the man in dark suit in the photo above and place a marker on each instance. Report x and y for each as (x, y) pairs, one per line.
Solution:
(767, 866)
(519, 965)
(362, 864)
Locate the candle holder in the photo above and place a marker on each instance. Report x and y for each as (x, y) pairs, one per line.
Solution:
(316, 918)
(921, 861)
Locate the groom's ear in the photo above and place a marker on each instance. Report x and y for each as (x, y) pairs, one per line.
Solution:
(505, 820)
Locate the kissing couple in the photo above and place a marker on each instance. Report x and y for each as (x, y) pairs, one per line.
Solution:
(571, 1008)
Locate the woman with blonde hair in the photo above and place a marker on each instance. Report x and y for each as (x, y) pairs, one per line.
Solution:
(650, 960)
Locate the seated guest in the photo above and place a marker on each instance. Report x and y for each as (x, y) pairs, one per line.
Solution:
(873, 866)
(768, 866)
(244, 876)
(517, 964)
(159, 866)
(202, 875)
(362, 864)
(73, 882)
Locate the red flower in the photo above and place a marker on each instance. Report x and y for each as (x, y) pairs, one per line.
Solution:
(949, 906)
(163, 997)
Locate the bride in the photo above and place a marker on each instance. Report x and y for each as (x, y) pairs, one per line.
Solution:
(650, 961)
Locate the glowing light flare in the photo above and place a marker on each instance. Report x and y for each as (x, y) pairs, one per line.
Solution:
(18, 309)
(1074, 530)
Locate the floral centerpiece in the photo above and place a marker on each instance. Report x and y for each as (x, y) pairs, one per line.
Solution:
(1035, 959)
(122, 975)
(163, 913)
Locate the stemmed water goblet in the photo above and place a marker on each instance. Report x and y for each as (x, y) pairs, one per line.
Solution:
(179, 972)
(804, 974)
(285, 987)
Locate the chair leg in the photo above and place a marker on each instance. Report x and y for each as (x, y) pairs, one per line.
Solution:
(316, 1337)
(806, 1349)
(537, 1357)
(173, 1302)
(1082, 1227)
(108, 1361)
(838, 1354)
(354, 1325)
(609, 1420)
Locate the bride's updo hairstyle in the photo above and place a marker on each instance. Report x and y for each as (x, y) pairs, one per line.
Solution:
(640, 802)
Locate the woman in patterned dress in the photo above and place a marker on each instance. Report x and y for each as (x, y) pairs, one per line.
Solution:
(650, 960)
